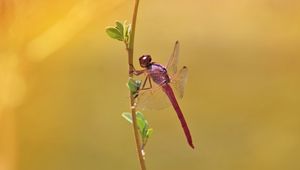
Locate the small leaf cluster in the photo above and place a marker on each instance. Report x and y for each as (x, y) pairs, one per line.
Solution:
(120, 32)
(143, 125)
(134, 86)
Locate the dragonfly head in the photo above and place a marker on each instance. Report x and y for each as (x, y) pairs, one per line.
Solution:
(145, 61)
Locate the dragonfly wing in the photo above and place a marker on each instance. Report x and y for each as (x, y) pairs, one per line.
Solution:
(152, 99)
(178, 82)
(173, 60)
(156, 99)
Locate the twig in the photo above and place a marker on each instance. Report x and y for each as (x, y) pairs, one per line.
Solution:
(130, 49)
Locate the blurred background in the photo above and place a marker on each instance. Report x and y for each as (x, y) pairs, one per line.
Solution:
(62, 84)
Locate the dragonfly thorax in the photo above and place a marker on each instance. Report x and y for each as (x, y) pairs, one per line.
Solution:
(158, 73)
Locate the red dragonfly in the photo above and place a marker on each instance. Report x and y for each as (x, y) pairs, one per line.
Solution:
(165, 79)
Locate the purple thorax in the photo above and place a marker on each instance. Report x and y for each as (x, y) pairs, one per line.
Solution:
(158, 73)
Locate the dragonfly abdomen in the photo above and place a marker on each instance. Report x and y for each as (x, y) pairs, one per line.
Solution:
(169, 92)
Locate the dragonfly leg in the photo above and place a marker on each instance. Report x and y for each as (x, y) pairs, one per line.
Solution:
(137, 72)
(150, 82)
(132, 70)
(144, 84)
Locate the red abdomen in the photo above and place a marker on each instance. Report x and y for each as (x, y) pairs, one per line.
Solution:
(169, 92)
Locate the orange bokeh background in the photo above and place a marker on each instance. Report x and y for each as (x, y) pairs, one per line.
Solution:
(62, 84)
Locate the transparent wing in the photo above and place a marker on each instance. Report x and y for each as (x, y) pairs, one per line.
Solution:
(178, 82)
(152, 99)
(173, 60)
(156, 99)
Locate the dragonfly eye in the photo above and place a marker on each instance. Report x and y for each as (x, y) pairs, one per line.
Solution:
(145, 60)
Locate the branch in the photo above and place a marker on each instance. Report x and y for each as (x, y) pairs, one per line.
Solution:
(130, 49)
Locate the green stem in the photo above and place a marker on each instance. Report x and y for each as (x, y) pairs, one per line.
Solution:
(130, 49)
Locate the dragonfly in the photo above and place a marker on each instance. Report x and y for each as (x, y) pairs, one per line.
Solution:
(168, 83)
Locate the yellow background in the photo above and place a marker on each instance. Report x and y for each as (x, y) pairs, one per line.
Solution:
(62, 84)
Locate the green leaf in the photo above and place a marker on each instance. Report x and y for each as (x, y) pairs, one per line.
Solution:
(127, 116)
(131, 84)
(120, 32)
(149, 132)
(120, 27)
(134, 86)
(127, 31)
(114, 33)
(142, 123)
(140, 115)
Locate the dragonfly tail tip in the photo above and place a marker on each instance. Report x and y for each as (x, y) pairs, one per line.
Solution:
(192, 145)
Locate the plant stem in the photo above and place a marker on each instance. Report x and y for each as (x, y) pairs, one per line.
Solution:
(129, 49)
